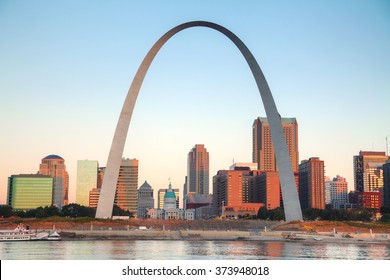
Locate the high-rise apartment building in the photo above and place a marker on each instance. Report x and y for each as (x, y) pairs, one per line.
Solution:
(54, 166)
(312, 183)
(263, 152)
(30, 191)
(145, 200)
(338, 191)
(126, 195)
(368, 172)
(232, 192)
(386, 184)
(269, 194)
(198, 170)
(87, 176)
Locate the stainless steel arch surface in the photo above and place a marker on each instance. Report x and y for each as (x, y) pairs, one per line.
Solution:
(292, 207)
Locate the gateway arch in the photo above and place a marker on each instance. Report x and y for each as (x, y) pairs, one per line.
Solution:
(292, 206)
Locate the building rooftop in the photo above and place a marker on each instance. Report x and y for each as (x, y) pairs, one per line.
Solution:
(53, 157)
(30, 176)
(145, 186)
(283, 120)
(371, 153)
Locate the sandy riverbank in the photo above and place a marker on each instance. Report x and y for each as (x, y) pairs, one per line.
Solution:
(207, 235)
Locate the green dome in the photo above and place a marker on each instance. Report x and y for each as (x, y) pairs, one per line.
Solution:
(170, 194)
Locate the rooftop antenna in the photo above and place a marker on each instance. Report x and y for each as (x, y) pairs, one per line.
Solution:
(387, 147)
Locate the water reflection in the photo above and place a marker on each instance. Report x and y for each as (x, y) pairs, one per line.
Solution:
(189, 250)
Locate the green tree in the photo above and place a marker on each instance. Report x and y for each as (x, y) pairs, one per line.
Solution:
(6, 211)
(385, 210)
(277, 214)
(117, 211)
(312, 214)
(263, 213)
(51, 211)
(75, 210)
(385, 218)
(40, 213)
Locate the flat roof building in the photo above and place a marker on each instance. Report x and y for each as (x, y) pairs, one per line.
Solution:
(368, 172)
(312, 183)
(126, 196)
(30, 191)
(87, 175)
(263, 152)
(198, 170)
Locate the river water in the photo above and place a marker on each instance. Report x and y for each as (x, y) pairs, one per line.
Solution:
(189, 250)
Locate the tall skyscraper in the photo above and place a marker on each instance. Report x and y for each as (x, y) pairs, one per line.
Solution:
(29, 191)
(386, 184)
(338, 191)
(312, 183)
(198, 170)
(368, 172)
(87, 175)
(126, 196)
(54, 166)
(145, 200)
(262, 148)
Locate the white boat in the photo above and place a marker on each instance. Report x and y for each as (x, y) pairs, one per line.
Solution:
(54, 236)
(20, 233)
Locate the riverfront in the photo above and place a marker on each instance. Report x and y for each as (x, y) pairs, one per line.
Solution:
(210, 230)
(200, 240)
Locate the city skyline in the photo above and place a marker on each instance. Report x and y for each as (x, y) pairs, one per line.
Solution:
(63, 83)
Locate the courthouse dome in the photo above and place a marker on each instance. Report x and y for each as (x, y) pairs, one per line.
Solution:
(170, 193)
(53, 157)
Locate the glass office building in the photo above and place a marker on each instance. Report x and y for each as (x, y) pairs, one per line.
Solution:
(29, 191)
(87, 176)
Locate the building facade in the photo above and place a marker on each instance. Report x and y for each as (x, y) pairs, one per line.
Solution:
(54, 166)
(229, 188)
(386, 184)
(252, 165)
(368, 172)
(30, 191)
(366, 200)
(338, 191)
(198, 170)
(126, 196)
(312, 183)
(87, 177)
(145, 200)
(268, 186)
(263, 152)
(169, 210)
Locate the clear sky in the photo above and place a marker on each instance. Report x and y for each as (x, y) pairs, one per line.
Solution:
(66, 66)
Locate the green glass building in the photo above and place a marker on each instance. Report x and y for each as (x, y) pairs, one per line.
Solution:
(29, 191)
(87, 174)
